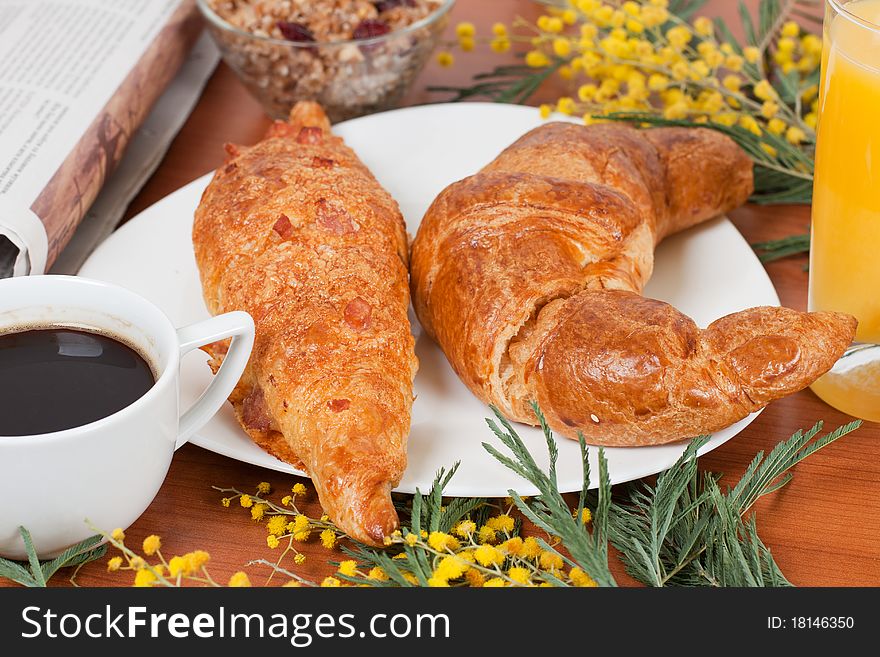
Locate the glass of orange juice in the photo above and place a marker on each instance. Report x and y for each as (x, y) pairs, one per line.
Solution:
(845, 240)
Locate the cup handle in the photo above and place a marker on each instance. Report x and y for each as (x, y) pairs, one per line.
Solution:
(237, 325)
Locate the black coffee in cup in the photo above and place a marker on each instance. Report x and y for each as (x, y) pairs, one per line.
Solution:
(56, 378)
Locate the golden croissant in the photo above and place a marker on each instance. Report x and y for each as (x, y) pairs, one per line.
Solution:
(297, 232)
(529, 273)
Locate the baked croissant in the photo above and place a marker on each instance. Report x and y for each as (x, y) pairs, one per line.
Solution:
(297, 232)
(528, 275)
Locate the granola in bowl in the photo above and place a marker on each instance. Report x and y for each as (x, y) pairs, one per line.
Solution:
(353, 56)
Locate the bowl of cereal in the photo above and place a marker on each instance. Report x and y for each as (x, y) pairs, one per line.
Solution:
(354, 57)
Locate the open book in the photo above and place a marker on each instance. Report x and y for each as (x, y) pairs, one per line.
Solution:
(77, 78)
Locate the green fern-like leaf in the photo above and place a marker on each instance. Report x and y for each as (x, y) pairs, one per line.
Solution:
(38, 574)
(684, 530)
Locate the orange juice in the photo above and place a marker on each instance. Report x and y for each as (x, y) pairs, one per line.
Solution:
(845, 245)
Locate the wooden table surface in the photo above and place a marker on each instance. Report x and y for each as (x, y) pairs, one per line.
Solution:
(822, 528)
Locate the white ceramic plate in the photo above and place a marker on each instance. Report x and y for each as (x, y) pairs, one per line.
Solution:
(706, 272)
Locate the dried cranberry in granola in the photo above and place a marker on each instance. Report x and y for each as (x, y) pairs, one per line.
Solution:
(371, 28)
(295, 31)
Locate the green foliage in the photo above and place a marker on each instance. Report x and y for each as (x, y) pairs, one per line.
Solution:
(504, 84)
(685, 9)
(549, 511)
(683, 530)
(35, 573)
(776, 249)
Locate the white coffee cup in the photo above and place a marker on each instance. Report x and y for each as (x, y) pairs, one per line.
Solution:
(108, 471)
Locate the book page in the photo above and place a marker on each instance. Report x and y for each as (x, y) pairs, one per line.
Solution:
(61, 62)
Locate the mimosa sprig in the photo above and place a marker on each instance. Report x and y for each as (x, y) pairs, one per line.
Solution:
(683, 530)
(652, 62)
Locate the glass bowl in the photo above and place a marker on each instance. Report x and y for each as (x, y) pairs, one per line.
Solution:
(349, 78)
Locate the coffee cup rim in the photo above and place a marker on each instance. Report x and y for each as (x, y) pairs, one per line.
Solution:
(165, 376)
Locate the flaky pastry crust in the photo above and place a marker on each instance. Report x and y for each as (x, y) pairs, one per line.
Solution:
(297, 232)
(529, 276)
